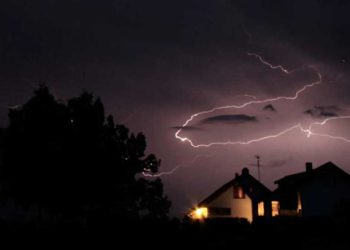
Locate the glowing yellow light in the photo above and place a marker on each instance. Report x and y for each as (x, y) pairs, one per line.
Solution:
(200, 213)
(275, 205)
(299, 208)
(261, 211)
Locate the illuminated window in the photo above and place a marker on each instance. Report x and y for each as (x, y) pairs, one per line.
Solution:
(261, 211)
(238, 192)
(275, 205)
(299, 208)
(200, 213)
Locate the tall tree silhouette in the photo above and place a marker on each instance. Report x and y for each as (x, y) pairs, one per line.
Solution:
(70, 159)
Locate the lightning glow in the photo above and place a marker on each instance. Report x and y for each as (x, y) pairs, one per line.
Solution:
(269, 100)
(250, 96)
(308, 131)
(170, 172)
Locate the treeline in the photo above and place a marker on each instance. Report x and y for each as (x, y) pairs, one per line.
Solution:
(68, 163)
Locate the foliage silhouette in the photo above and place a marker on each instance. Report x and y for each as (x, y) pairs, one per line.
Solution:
(71, 160)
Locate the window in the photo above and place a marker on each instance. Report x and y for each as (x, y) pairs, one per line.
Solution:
(238, 192)
(275, 205)
(299, 207)
(261, 210)
(219, 211)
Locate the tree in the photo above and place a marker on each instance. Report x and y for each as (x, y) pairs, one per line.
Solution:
(70, 159)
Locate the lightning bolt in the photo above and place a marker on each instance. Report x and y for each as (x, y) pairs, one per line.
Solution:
(16, 106)
(308, 131)
(245, 31)
(269, 64)
(297, 126)
(250, 96)
(322, 123)
(170, 172)
(269, 100)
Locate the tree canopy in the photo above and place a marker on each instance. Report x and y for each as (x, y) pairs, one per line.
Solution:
(71, 159)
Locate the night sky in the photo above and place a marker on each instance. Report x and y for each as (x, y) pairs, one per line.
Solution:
(155, 63)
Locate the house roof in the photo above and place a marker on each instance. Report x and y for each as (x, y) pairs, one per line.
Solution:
(251, 186)
(298, 179)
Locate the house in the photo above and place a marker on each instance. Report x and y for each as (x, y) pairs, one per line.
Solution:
(242, 197)
(323, 191)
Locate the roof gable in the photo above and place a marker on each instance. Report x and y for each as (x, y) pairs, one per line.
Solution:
(218, 192)
(251, 186)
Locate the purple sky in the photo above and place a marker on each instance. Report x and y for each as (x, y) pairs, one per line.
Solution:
(155, 63)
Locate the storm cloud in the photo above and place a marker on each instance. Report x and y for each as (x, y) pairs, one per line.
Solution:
(270, 107)
(231, 119)
(322, 111)
(188, 128)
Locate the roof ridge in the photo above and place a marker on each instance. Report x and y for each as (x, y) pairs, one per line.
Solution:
(238, 178)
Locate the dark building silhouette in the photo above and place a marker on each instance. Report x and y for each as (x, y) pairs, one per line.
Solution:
(323, 191)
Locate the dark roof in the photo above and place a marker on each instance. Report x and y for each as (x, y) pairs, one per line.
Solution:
(292, 178)
(218, 192)
(298, 179)
(251, 186)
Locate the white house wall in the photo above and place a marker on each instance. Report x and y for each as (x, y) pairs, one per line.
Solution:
(241, 208)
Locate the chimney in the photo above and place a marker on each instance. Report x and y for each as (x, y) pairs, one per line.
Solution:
(308, 167)
(245, 171)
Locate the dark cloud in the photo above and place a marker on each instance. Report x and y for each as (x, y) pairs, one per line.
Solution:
(279, 162)
(322, 111)
(270, 107)
(188, 128)
(275, 163)
(232, 119)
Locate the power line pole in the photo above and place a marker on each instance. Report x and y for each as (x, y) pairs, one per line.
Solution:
(258, 165)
